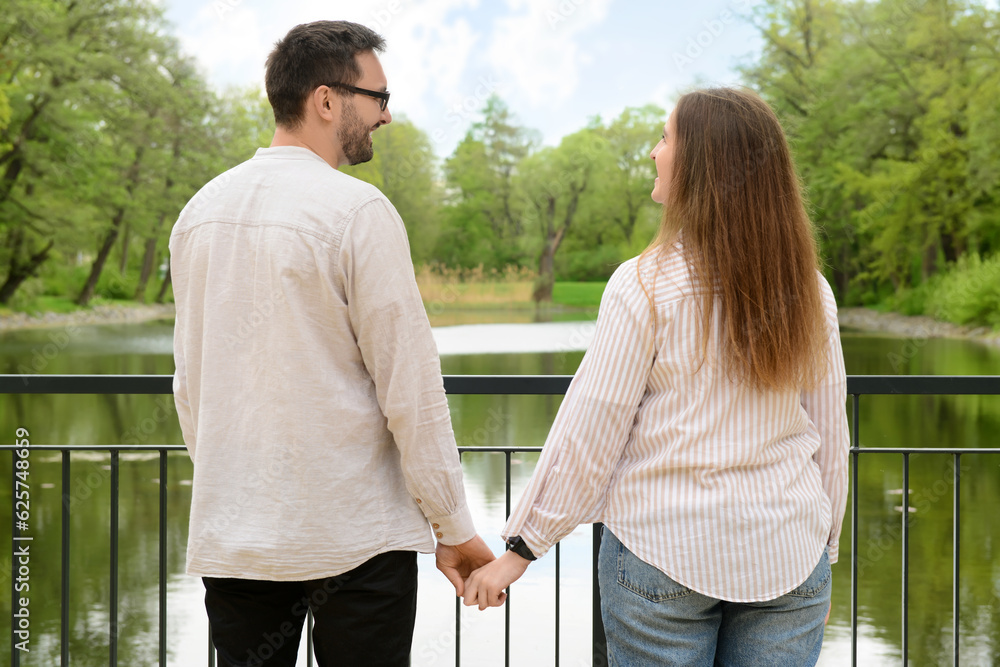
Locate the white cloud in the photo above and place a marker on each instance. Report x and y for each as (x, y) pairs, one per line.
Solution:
(226, 39)
(427, 55)
(538, 46)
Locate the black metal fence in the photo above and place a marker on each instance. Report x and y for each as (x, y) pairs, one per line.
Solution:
(857, 386)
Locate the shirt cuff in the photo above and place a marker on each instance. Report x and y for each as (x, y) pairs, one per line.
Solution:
(833, 552)
(454, 528)
(535, 542)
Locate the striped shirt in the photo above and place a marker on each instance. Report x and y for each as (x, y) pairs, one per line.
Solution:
(732, 492)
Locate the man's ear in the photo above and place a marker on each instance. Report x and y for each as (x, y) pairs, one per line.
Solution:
(325, 103)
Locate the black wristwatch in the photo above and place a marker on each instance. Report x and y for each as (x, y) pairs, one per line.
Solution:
(517, 545)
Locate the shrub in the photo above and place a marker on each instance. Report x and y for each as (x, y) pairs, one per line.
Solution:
(967, 294)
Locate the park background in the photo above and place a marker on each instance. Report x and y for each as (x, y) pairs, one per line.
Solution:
(108, 126)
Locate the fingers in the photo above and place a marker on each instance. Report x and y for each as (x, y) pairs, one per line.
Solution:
(483, 597)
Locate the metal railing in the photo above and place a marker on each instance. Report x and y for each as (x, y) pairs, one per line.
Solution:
(857, 386)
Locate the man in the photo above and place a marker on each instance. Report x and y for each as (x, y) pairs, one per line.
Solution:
(308, 386)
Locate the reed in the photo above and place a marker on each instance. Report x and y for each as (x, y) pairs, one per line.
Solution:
(477, 286)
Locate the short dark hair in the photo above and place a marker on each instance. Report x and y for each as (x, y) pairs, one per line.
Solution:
(313, 55)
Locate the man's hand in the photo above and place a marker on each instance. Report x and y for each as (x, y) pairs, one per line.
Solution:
(458, 561)
(486, 585)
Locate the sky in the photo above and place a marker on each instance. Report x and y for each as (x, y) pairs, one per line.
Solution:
(556, 63)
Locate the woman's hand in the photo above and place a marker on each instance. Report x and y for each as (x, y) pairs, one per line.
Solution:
(486, 585)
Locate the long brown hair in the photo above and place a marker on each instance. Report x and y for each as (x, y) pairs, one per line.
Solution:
(734, 194)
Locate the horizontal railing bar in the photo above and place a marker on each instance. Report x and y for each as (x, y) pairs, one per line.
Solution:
(86, 384)
(486, 448)
(500, 449)
(98, 448)
(925, 450)
(923, 384)
(487, 384)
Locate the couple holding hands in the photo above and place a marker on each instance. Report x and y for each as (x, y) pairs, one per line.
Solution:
(705, 426)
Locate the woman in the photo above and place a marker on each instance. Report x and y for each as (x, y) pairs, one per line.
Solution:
(706, 425)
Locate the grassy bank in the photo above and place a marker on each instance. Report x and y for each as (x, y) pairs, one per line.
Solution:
(475, 292)
(510, 289)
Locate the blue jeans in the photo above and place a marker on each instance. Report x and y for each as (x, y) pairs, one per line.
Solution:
(650, 619)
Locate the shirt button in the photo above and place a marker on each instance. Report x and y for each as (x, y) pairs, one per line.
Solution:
(436, 526)
(419, 500)
(439, 535)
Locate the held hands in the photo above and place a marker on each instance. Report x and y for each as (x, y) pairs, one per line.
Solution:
(458, 561)
(486, 585)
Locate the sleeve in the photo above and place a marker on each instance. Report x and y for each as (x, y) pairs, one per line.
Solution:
(594, 422)
(826, 406)
(182, 403)
(399, 352)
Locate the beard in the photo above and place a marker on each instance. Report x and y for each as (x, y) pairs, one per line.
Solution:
(355, 136)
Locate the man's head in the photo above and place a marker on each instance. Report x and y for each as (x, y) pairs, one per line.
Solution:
(325, 82)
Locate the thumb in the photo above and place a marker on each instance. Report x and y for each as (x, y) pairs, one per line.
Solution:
(456, 580)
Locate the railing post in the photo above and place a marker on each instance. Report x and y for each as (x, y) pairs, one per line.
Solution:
(600, 656)
(15, 531)
(906, 556)
(163, 558)
(64, 591)
(113, 603)
(855, 459)
(956, 532)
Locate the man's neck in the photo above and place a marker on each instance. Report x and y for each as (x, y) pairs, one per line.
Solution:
(302, 139)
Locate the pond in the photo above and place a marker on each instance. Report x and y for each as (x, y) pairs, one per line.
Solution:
(476, 344)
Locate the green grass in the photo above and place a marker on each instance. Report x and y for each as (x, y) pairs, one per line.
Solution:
(579, 295)
(48, 304)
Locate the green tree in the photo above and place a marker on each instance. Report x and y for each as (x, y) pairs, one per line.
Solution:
(404, 168)
(66, 62)
(484, 222)
(885, 105)
(554, 183)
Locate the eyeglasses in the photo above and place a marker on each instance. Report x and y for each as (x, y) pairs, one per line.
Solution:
(383, 98)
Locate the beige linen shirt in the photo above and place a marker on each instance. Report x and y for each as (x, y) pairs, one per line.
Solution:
(731, 492)
(308, 385)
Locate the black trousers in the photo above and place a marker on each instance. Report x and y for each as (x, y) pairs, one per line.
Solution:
(363, 617)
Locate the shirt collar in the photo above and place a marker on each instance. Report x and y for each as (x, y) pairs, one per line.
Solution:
(286, 153)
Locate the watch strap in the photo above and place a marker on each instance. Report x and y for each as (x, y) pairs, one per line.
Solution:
(517, 545)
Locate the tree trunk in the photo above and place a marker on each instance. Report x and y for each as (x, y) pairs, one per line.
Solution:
(126, 238)
(163, 286)
(149, 258)
(546, 260)
(553, 239)
(148, 261)
(17, 272)
(109, 239)
(546, 274)
(102, 257)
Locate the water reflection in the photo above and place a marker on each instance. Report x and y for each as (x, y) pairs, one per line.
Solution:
(496, 420)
